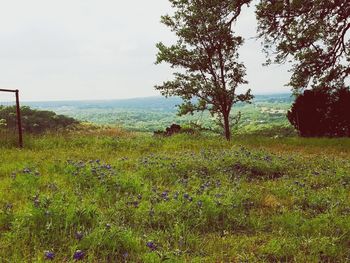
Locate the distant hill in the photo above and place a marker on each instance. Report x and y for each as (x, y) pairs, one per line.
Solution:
(148, 103)
(152, 113)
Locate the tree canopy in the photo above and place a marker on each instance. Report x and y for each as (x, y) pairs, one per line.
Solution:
(34, 121)
(207, 55)
(314, 34)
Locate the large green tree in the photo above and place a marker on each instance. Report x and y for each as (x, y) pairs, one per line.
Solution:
(206, 54)
(314, 34)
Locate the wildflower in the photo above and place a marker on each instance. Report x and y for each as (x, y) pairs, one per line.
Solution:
(151, 245)
(49, 255)
(165, 196)
(26, 170)
(268, 158)
(36, 201)
(78, 255)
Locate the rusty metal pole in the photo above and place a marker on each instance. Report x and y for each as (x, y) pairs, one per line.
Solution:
(19, 121)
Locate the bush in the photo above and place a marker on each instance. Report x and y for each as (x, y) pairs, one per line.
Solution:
(172, 130)
(34, 121)
(319, 113)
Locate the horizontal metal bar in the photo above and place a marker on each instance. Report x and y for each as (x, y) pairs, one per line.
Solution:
(9, 90)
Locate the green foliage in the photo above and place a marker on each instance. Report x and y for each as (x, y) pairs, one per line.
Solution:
(314, 34)
(181, 199)
(207, 51)
(34, 121)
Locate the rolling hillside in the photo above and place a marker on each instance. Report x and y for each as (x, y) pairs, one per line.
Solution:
(149, 114)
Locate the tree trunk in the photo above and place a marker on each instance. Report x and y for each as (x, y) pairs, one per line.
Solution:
(227, 126)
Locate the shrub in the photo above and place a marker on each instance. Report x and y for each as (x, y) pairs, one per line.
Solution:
(174, 129)
(319, 113)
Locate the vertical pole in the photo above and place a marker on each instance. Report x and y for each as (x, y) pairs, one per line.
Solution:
(19, 122)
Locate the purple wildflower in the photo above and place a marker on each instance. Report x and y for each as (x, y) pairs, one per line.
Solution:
(49, 255)
(151, 245)
(78, 255)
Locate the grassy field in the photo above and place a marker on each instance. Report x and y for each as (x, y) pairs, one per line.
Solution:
(113, 196)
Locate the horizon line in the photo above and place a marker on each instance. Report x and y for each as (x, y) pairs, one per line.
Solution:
(135, 98)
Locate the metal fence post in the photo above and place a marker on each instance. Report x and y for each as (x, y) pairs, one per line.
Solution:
(19, 121)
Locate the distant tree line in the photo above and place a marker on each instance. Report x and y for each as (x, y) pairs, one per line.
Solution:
(34, 121)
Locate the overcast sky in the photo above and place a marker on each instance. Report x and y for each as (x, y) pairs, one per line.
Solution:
(89, 49)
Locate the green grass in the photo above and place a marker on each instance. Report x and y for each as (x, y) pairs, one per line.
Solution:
(196, 198)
